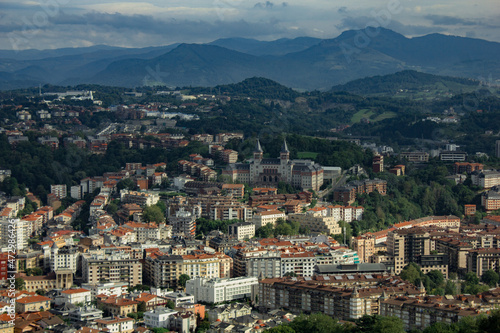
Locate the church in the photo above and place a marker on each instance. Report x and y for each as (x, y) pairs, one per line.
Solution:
(268, 172)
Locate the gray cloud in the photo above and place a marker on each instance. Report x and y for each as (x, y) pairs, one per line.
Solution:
(361, 22)
(182, 28)
(449, 20)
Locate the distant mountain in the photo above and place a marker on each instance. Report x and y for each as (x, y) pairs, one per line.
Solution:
(67, 66)
(301, 63)
(259, 48)
(255, 87)
(186, 65)
(405, 81)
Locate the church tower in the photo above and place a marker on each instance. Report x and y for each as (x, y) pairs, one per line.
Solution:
(284, 153)
(258, 152)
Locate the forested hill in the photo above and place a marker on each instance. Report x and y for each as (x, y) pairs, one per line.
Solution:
(404, 81)
(256, 87)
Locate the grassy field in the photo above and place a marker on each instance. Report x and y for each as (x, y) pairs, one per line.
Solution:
(307, 154)
(368, 114)
(385, 115)
(363, 113)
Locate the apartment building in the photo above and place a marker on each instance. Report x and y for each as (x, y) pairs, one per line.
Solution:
(481, 260)
(415, 156)
(60, 191)
(421, 312)
(317, 221)
(75, 296)
(406, 245)
(20, 230)
(139, 198)
(230, 212)
(486, 178)
(183, 223)
(164, 270)
(112, 268)
(490, 200)
(235, 190)
(339, 302)
(266, 217)
(242, 230)
(221, 290)
(466, 167)
(116, 324)
(364, 245)
(64, 258)
(117, 306)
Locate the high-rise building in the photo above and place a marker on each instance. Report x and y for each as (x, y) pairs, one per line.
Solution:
(378, 163)
(15, 232)
(60, 191)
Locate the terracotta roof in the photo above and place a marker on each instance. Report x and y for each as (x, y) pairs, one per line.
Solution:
(33, 299)
(74, 291)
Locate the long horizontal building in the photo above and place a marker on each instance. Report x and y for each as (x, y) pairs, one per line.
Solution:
(165, 270)
(421, 312)
(349, 303)
(221, 290)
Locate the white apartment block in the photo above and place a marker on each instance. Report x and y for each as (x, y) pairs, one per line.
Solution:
(242, 230)
(140, 198)
(159, 317)
(75, 296)
(76, 192)
(180, 298)
(301, 264)
(116, 324)
(14, 232)
(263, 218)
(65, 258)
(60, 191)
(201, 266)
(221, 290)
(345, 213)
(108, 289)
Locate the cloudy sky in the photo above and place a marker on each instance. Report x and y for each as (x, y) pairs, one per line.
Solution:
(44, 24)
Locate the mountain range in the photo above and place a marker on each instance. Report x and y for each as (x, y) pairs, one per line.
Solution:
(302, 63)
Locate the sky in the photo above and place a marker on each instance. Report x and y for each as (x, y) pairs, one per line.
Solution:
(50, 24)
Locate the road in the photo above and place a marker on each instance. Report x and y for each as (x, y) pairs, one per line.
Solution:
(338, 183)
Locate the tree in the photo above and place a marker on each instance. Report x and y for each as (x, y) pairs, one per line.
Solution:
(112, 208)
(490, 323)
(411, 273)
(127, 184)
(170, 304)
(317, 322)
(141, 307)
(281, 329)
(436, 277)
(450, 288)
(388, 325)
(490, 277)
(380, 324)
(41, 292)
(153, 214)
(266, 231)
(183, 279)
(203, 325)
(20, 284)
